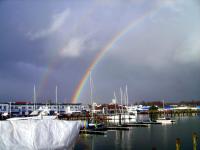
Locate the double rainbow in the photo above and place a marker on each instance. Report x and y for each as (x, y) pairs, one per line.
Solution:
(103, 51)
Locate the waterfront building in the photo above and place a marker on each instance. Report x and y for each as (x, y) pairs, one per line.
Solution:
(25, 108)
(4, 107)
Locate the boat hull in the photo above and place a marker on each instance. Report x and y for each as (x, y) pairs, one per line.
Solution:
(127, 117)
(33, 118)
(165, 121)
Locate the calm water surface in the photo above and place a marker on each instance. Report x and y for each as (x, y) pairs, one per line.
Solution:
(162, 137)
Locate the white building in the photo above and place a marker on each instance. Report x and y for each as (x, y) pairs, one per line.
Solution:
(25, 108)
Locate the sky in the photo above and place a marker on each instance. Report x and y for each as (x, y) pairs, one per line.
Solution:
(52, 43)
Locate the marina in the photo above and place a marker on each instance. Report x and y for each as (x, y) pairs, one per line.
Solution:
(154, 137)
(89, 123)
(100, 75)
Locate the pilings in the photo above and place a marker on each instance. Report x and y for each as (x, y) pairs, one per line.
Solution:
(120, 122)
(178, 144)
(194, 142)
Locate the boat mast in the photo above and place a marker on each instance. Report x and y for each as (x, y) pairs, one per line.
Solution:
(127, 95)
(163, 108)
(124, 97)
(56, 98)
(26, 108)
(91, 93)
(34, 98)
(115, 101)
(121, 93)
(10, 109)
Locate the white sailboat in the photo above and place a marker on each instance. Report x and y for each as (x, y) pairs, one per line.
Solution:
(92, 125)
(114, 116)
(164, 120)
(130, 113)
(41, 113)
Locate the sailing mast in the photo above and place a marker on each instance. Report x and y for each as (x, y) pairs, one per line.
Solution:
(163, 108)
(121, 94)
(10, 109)
(127, 95)
(56, 99)
(34, 98)
(91, 93)
(115, 101)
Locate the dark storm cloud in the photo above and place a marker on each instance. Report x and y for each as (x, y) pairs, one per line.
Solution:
(53, 43)
(157, 60)
(174, 82)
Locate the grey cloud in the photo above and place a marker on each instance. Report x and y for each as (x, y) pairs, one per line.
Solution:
(57, 22)
(157, 59)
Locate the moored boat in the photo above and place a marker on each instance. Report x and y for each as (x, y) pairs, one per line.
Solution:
(165, 120)
(41, 113)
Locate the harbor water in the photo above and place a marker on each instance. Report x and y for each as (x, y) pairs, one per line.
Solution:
(159, 137)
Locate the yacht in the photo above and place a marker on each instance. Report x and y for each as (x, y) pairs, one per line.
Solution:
(165, 120)
(129, 114)
(42, 113)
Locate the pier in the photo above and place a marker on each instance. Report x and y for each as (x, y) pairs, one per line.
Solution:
(92, 132)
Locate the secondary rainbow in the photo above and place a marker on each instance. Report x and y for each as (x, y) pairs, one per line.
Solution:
(102, 52)
(52, 64)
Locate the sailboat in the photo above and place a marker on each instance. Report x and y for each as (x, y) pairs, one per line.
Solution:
(92, 125)
(114, 117)
(127, 113)
(41, 113)
(130, 113)
(164, 120)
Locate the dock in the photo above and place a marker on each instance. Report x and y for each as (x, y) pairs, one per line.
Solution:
(148, 123)
(92, 132)
(136, 125)
(117, 128)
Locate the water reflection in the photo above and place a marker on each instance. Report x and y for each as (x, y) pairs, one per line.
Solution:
(158, 136)
(116, 122)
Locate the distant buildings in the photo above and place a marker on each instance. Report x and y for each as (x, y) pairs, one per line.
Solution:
(25, 108)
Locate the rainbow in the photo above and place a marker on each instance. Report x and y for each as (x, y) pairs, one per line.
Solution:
(52, 64)
(48, 71)
(102, 52)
